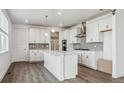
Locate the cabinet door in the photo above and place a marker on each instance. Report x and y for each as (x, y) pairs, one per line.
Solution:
(84, 61)
(73, 33)
(41, 36)
(37, 35)
(90, 59)
(92, 32)
(46, 36)
(105, 23)
(62, 35)
(71, 36)
(32, 36)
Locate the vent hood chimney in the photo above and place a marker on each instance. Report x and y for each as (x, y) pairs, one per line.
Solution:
(82, 30)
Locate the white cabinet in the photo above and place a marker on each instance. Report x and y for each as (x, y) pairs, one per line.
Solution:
(44, 36)
(95, 27)
(36, 55)
(79, 53)
(64, 35)
(92, 32)
(39, 36)
(34, 35)
(105, 23)
(89, 58)
(73, 33)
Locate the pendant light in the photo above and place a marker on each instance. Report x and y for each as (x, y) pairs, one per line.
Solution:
(46, 34)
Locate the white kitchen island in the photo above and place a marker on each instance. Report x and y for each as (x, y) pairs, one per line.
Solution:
(63, 65)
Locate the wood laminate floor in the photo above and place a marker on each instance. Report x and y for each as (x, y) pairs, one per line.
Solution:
(24, 72)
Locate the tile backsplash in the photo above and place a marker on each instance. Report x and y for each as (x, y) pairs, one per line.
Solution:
(91, 46)
(38, 46)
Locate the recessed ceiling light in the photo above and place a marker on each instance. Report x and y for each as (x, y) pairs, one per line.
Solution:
(53, 30)
(26, 20)
(59, 13)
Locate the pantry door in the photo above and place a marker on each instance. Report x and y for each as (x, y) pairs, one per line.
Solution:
(20, 44)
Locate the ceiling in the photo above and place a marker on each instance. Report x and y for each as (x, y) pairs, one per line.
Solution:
(67, 17)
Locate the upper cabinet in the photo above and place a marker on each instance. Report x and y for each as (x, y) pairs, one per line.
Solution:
(44, 36)
(95, 27)
(73, 33)
(64, 35)
(39, 35)
(105, 24)
(92, 33)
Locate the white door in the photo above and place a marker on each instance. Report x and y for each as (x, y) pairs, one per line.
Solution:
(21, 44)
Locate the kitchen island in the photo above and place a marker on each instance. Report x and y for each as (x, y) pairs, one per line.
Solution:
(63, 65)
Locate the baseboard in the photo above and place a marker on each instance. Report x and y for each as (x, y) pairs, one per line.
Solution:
(118, 76)
(4, 73)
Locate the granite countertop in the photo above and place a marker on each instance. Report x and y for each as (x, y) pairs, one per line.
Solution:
(59, 52)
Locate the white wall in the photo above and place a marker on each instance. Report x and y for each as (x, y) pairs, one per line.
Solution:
(118, 44)
(5, 58)
(107, 45)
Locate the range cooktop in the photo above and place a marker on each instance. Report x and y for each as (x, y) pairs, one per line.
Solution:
(83, 49)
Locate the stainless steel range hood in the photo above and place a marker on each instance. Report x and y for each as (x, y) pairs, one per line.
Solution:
(82, 30)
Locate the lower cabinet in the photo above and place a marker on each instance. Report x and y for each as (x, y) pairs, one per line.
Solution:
(89, 58)
(36, 56)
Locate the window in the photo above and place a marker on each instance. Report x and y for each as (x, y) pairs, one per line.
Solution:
(3, 32)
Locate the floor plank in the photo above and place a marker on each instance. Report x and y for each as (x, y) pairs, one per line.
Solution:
(24, 72)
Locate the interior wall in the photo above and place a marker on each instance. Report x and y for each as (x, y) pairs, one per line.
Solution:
(118, 44)
(107, 45)
(5, 58)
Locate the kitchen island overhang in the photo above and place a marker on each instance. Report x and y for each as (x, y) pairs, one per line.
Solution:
(63, 65)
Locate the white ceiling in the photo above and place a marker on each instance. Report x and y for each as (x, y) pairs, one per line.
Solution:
(37, 16)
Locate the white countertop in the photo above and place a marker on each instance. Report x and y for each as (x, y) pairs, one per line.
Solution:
(59, 52)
